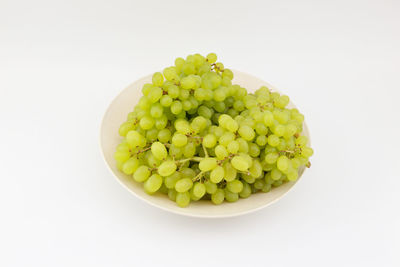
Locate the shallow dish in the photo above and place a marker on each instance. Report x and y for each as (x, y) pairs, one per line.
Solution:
(109, 139)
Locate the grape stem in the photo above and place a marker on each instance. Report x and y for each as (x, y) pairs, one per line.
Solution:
(198, 159)
(198, 176)
(205, 151)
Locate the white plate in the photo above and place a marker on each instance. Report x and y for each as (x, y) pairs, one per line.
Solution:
(109, 139)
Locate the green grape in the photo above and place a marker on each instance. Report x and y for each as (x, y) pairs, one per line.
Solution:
(144, 103)
(307, 152)
(218, 197)
(248, 178)
(254, 150)
(273, 140)
(151, 135)
(271, 158)
(205, 112)
(135, 139)
(175, 151)
(186, 105)
(179, 140)
(164, 135)
(184, 94)
(221, 152)
(268, 118)
(220, 66)
(207, 164)
(235, 186)
(183, 185)
(155, 94)
(276, 174)
(147, 122)
(239, 163)
(230, 172)
(200, 94)
(189, 150)
(233, 147)
(173, 91)
(247, 158)
(282, 101)
(199, 190)
(295, 163)
(170, 73)
(256, 169)
(123, 147)
(230, 196)
(246, 191)
(152, 184)
(238, 105)
(172, 194)
(261, 140)
(211, 58)
(227, 73)
(211, 188)
(261, 129)
(166, 101)
(243, 145)
(220, 106)
(157, 79)
(246, 132)
(141, 174)
(147, 87)
(182, 199)
(161, 123)
(259, 184)
(151, 160)
(209, 140)
(188, 173)
(125, 128)
(171, 180)
(277, 183)
(122, 156)
(266, 188)
(226, 138)
(130, 166)
(292, 175)
(182, 126)
(283, 163)
(217, 174)
(159, 151)
(176, 107)
(167, 168)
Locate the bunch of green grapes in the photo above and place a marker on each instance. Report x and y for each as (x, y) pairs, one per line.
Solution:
(195, 135)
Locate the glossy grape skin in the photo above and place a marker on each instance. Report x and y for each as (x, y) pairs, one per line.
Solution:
(206, 138)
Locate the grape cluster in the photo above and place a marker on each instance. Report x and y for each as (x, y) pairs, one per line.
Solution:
(195, 135)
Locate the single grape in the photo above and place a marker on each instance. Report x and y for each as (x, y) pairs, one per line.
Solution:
(207, 164)
(235, 186)
(179, 140)
(211, 188)
(131, 165)
(183, 185)
(217, 174)
(239, 163)
(141, 174)
(167, 168)
(159, 151)
(246, 191)
(182, 199)
(218, 197)
(199, 190)
(152, 184)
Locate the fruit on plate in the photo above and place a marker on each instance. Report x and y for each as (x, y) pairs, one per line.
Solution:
(196, 136)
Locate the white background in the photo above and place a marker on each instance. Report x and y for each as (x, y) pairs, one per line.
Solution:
(62, 62)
